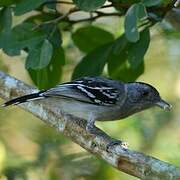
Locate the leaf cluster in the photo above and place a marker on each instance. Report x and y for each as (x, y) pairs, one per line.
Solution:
(40, 36)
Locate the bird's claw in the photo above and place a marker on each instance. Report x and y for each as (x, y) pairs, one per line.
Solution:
(91, 129)
(123, 144)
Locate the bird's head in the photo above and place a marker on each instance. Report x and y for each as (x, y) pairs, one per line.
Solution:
(144, 96)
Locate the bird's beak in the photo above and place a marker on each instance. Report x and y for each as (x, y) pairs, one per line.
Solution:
(164, 105)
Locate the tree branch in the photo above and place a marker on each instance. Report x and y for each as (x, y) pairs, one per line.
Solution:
(125, 6)
(65, 17)
(177, 3)
(129, 161)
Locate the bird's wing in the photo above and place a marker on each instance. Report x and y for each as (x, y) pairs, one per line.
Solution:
(95, 90)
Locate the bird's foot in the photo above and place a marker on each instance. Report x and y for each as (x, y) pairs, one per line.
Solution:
(123, 144)
(91, 129)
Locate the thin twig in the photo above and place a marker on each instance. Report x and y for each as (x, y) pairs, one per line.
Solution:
(58, 19)
(95, 17)
(54, 21)
(100, 13)
(106, 6)
(91, 18)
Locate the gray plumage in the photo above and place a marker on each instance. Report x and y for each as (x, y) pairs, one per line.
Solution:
(99, 98)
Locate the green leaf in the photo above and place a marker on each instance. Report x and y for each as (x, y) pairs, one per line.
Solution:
(130, 23)
(120, 44)
(39, 57)
(136, 51)
(51, 31)
(150, 3)
(135, 13)
(5, 19)
(93, 63)
(58, 56)
(21, 36)
(141, 12)
(90, 37)
(115, 62)
(127, 74)
(118, 56)
(126, 60)
(5, 24)
(5, 31)
(6, 2)
(42, 17)
(49, 76)
(89, 5)
(25, 35)
(53, 34)
(25, 6)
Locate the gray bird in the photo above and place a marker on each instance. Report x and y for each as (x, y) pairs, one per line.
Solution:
(98, 98)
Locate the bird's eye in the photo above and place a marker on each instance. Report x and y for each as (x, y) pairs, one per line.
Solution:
(145, 93)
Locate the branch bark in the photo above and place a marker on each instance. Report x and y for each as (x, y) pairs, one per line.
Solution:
(128, 161)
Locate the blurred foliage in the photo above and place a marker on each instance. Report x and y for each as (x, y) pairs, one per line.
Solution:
(54, 42)
(40, 36)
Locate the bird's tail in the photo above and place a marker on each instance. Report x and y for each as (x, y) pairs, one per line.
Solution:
(22, 99)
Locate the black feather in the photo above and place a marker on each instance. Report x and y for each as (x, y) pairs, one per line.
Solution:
(23, 99)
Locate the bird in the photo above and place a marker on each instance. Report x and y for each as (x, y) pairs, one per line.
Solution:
(98, 99)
